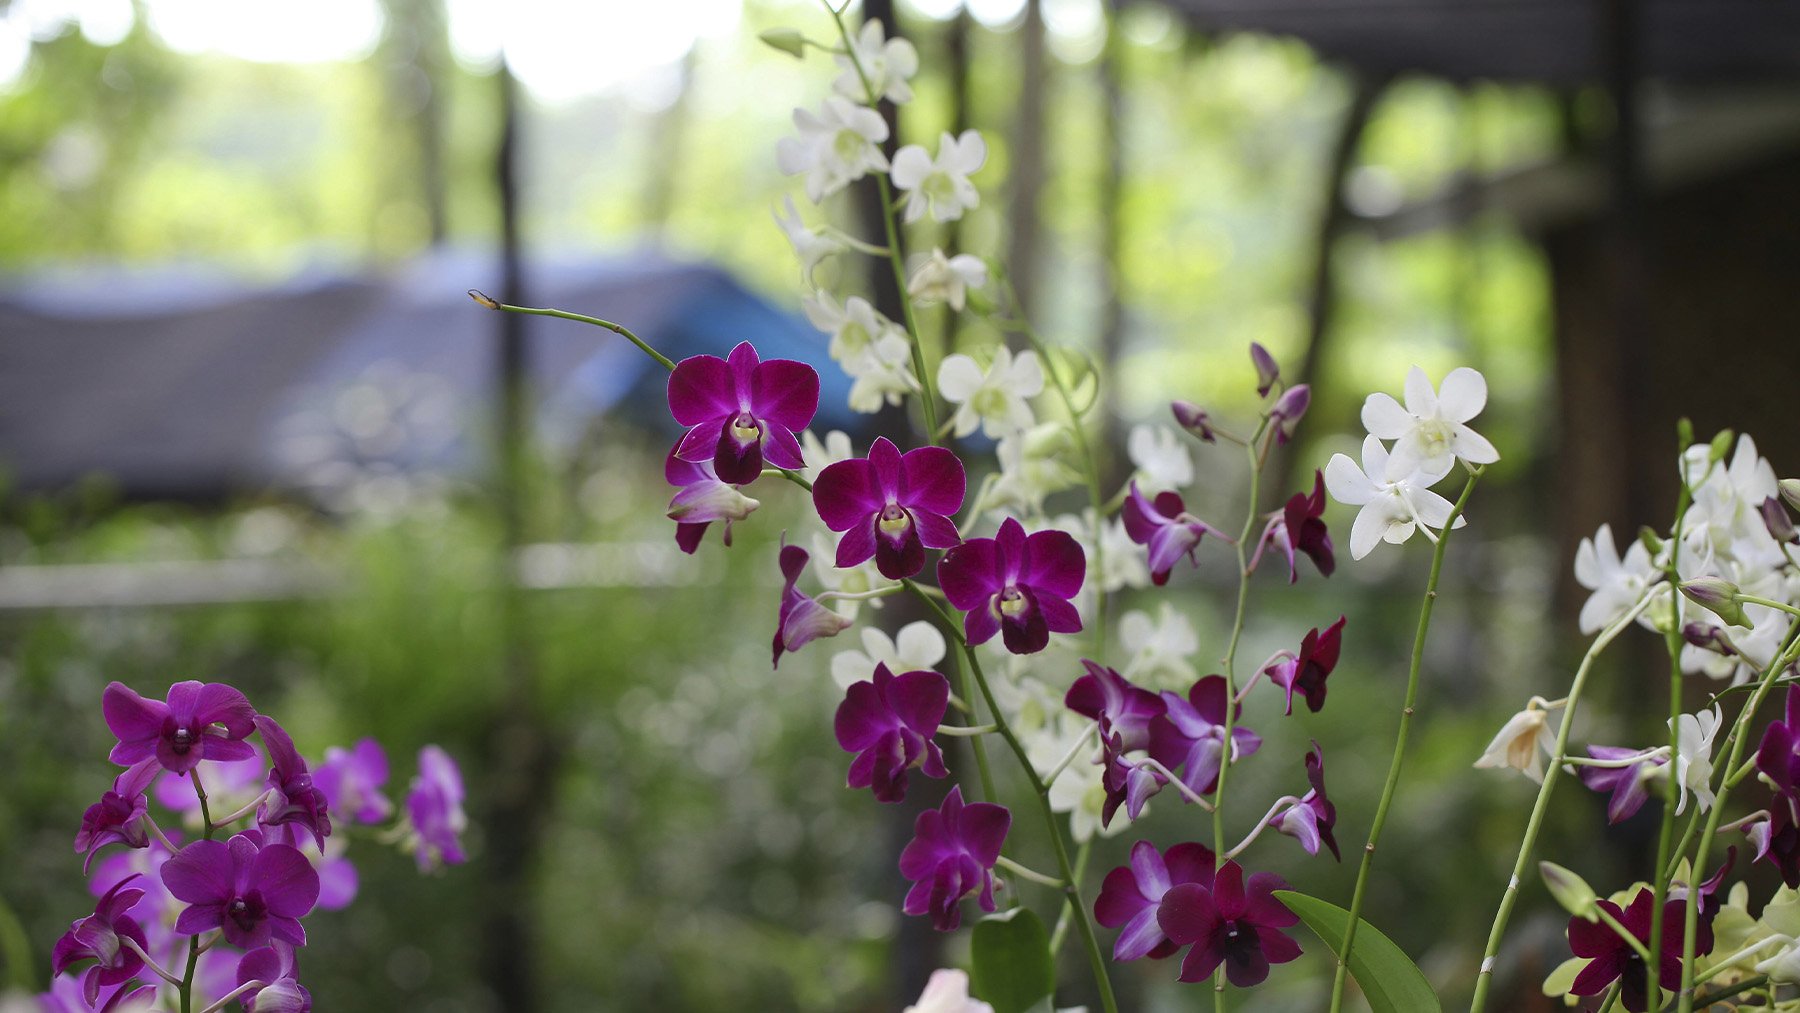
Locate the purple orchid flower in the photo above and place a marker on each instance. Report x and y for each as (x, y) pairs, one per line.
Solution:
(951, 856)
(1229, 923)
(1778, 840)
(1300, 527)
(280, 992)
(1016, 585)
(1191, 733)
(101, 937)
(1267, 369)
(741, 410)
(292, 797)
(118, 818)
(199, 721)
(1125, 783)
(1288, 409)
(1167, 528)
(144, 866)
(1110, 699)
(1132, 895)
(435, 812)
(67, 995)
(1627, 783)
(892, 506)
(1778, 756)
(888, 722)
(802, 619)
(702, 500)
(250, 891)
(1613, 959)
(1310, 820)
(1307, 671)
(352, 782)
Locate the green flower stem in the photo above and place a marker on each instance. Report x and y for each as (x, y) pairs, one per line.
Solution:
(619, 329)
(1712, 998)
(928, 398)
(1406, 714)
(1229, 662)
(1096, 501)
(1750, 599)
(1040, 792)
(1082, 854)
(1551, 772)
(1666, 836)
(186, 990)
(1739, 736)
(1027, 873)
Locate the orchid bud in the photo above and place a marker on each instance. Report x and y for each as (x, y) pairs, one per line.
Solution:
(1775, 518)
(1193, 418)
(1718, 596)
(1684, 431)
(1570, 890)
(1708, 637)
(1652, 541)
(1267, 369)
(1289, 408)
(1790, 491)
(1721, 445)
(788, 40)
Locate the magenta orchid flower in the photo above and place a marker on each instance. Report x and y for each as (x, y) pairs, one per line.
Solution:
(67, 995)
(101, 937)
(1306, 672)
(1125, 783)
(1231, 923)
(951, 856)
(1611, 958)
(1287, 411)
(1300, 528)
(741, 410)
(352, 782)
(1311, 819)
(278, 971)
(1627, 783)
(891, 506)
(1777, 839)
(434, 810)
(1132, 895)
(118, 818)
(1165, 526)
(702, 500)
(1016, 585)
(802, 618)
(1191, 734)
(888, 722)
(1118, 706)
(199, 721)
(250, 892)
(292, 796)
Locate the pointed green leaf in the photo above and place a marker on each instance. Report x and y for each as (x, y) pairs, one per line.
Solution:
(1011, 954)
(1389, 979)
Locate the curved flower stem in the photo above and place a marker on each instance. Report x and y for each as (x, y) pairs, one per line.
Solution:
(965, 731)
(1229, 662)
(620, 329)
(1666, 836)
(245, 811)
(1027, 873)
(928, 397)
(1551, 773)
(149, 961)
(1177, 783)
(1070, 756)
(1040, 792)
(1739, 735)
(1780, 606)
(1082, 854)
(1096, 501)
(1406, 713)
(1261, 825)
(234, 993)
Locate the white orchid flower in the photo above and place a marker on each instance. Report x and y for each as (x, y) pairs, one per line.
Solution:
(940, 185)
(810, 245)
(1161, 458)
(1391, 508)
(994, 400)
(1618, 583)
(948, 992)
(837, 145)
(1694, 734)
(1431, 432)
(855, 328)
(888, 63)
(1523, 743)
(941, 279)
(917, 647)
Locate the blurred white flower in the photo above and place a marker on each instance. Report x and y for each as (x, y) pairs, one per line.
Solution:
(837, 145)
(1430, 433)
(948, 992)
(1391, 508)
(940, 185)
(854, 580)
(940, 279)
(1161, 458)
(888, 64)
(995, 400)
(1078, 790)
(918, 646)
(885, 376)
(1158, 649)
(1033, 464)
(1121, 564)
(855, 328)
(810, 245)
(1617, 583)
(821, 455)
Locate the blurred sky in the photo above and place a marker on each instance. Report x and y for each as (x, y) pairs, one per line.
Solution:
(559, 50)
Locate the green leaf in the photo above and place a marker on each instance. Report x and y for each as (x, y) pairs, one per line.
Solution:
(1389, 979)
(1012, 969)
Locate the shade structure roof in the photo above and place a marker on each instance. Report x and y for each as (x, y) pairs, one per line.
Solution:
(1554, 42)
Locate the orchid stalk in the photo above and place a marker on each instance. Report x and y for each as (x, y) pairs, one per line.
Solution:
(1406, 714)
(1666, 832)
